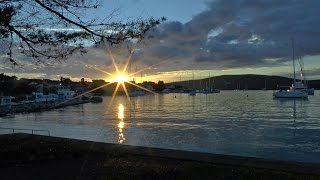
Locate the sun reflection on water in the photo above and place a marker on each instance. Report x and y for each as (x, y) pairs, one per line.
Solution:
(121, 111)
(121, 124)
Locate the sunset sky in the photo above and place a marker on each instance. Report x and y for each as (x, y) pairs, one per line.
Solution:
(207, 38)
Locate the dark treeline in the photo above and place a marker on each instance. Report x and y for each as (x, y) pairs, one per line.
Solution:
(109, 90)
(12, 86)
(243, 82)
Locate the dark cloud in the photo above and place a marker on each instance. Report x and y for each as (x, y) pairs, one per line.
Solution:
(228, 34)
(252, 33)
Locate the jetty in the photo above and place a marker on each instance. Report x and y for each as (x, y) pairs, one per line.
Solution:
(27, 156)
(40, 102)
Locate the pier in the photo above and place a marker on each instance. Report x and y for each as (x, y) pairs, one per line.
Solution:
(28, 107)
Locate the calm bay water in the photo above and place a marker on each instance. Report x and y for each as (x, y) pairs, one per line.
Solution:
(227, 123)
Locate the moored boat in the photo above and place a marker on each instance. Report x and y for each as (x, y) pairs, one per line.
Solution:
(290, 93)
(192, 92)
(296, 90)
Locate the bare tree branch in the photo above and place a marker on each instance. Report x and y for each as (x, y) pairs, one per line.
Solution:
(54, 28)
(66, 19)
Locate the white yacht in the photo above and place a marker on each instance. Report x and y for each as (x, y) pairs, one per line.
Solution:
(296, 90)
(290, 93)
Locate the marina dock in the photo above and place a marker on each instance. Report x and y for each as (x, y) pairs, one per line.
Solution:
(36, 106)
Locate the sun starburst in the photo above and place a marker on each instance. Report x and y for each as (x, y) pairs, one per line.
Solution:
(120, 76)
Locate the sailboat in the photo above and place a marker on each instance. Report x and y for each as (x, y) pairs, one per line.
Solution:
(210, 88)
(295, 91)
(193, 91)
(303, 85)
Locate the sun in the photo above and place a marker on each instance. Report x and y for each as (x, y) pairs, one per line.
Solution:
(121, 78)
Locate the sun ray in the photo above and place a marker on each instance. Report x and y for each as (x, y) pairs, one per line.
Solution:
(115, 91)
(121, 77)
(113, 60)
(127, 63)
(126, 91)
(103, 71)
(87, 92)
(143, 88)
(91, 66)
(112, 98)
(102, 86)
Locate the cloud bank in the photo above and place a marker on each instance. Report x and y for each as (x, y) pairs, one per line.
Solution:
(228, 34)
(244, 33)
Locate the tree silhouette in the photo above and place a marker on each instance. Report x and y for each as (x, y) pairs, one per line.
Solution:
(54, 29)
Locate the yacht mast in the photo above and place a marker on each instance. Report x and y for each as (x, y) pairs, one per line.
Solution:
(293, 63)
(193, 80)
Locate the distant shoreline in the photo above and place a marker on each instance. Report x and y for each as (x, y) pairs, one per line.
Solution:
(25, 156)
(242, 82)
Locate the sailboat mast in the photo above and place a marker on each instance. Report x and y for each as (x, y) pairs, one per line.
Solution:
(293, 63)
(192, 79)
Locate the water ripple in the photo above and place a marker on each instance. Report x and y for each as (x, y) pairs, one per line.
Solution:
(249, 123)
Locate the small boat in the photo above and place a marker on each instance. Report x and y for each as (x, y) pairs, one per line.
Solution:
(192, 92)
(210, 90)
(214, 90)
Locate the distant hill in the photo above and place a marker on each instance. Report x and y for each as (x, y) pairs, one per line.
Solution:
(243, 82)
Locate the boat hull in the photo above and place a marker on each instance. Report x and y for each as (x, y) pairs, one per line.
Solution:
(290, 94)
(310, 91)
